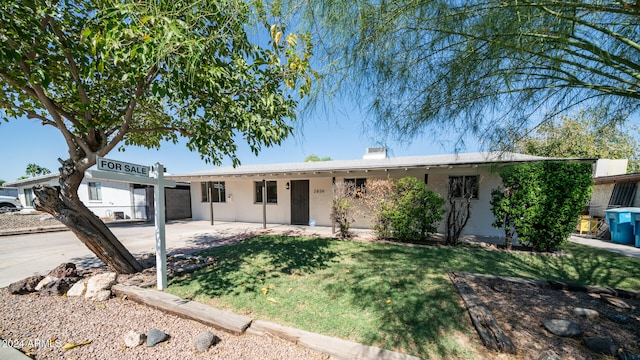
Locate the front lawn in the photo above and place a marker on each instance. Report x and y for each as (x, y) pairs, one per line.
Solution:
(392, 296)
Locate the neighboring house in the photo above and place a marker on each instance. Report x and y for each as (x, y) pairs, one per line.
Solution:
(614, 189)
(297, 193)
(114, 200)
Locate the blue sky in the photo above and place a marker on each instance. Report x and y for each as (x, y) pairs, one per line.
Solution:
(338, 134)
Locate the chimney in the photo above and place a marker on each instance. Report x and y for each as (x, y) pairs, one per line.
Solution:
(375, 153)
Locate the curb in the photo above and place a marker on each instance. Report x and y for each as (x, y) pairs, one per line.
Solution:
(58, 228)
(239, 325)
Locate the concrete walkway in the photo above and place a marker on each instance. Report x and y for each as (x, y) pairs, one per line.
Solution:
(626, 250)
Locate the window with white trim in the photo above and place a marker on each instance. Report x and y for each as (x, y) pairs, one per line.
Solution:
(272, 192)
(218, 191)
(95, 191)
(463, 186)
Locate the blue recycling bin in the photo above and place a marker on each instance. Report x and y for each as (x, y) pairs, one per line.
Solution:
(620, 225)
(635, 223)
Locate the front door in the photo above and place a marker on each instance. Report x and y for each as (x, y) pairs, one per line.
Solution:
(300, 202)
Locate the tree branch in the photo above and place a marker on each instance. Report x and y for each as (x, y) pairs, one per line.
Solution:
(72, 67)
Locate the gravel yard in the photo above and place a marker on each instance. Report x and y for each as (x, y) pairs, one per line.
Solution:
(41, 325)
(12, 221)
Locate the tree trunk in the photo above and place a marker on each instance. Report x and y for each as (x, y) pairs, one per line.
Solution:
(65, 206)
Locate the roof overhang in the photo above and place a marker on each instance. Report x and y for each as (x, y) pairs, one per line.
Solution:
(340, 167)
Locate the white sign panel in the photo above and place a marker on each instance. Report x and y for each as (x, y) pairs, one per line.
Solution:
(122, 167)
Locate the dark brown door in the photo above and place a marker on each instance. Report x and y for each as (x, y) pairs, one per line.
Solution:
(300, 202)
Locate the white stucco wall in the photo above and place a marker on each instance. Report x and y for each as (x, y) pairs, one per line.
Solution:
(608, 167)
(240, 206)
(600, 197)
(115, 197)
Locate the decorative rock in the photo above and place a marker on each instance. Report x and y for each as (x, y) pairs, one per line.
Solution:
(614, 301)
(64, 270)
(134, 338)
(58, 287)
(25, 286)
(564, 328)
(601, 345)
(619, 318)
(156, 336)
(102, 295)
(45, 280)
(78, 289)
(588, 313)
(100, 282)
(205, 340)
(548, 355)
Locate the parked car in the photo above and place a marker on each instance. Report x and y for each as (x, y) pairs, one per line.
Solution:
(9, 203)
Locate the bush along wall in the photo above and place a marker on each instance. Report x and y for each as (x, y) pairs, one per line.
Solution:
(542, 202)
(409, 212)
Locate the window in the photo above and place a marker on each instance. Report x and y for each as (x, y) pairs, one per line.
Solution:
(463, 186)
(28, 197)
(272, 192)
(218, 191)
(359, 185)
(95, 194)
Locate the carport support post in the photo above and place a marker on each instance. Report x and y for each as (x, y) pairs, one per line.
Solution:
(264, 204)
(161, 245)
(210, 193)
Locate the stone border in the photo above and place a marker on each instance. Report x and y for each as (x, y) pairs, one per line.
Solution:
(561, 285)
(239, 325)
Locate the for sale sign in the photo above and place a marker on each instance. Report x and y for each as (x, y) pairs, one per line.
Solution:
(122, 167)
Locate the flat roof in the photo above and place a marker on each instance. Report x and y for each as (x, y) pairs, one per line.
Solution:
(408, 162)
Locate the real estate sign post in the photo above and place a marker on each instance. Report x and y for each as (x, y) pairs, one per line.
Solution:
(139, 174)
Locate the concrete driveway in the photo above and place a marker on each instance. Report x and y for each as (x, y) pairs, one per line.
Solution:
(30, 254)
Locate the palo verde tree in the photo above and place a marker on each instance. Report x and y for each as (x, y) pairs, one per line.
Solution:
(482, 66)
(107, 74)
(586, 134)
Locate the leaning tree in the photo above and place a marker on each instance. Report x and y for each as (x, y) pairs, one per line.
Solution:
(107, 74)
(489, 67)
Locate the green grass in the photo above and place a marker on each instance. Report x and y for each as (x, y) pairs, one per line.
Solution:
(392, 296)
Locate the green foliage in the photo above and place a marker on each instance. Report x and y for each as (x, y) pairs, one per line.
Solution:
(35, 170)
(343, 207)
(478, 67)
(502, 208)
(314, 157)
(587, 134)
(542, 201)
(370, 292)
(108, 73)
(412, 211)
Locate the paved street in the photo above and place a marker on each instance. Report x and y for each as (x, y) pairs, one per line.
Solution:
(25, 255)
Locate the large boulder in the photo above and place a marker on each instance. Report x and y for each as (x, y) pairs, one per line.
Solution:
(25, 286)
(64, 270)
(155, 336)
(45, 281)
(205, 340)
(134, 338)
(100, 282)
(564, 328)
(58, 287)
(78, 289)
